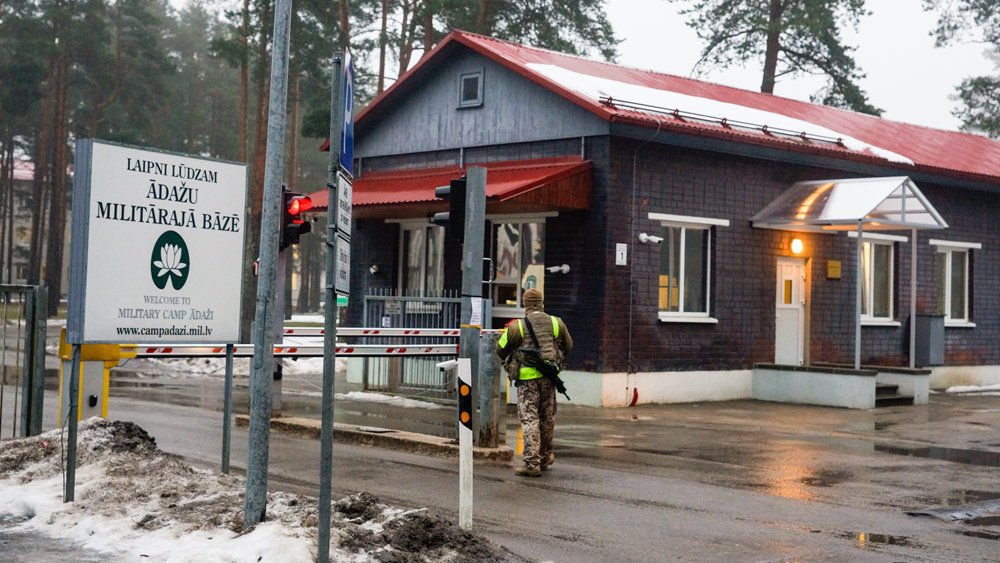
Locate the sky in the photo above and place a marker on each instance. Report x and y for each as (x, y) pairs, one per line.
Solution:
(910, 79)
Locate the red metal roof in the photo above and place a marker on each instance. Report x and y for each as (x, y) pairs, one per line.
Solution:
(950, 153)
(504, 181)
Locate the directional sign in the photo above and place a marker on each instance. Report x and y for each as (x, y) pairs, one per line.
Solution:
(343, 281)
(345, 193)
(347, 125)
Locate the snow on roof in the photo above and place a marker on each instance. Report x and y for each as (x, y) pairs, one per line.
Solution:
(598, 88)
(602, 88)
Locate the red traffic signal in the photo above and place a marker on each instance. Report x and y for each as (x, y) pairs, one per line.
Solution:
(293, 225)
(298, 204)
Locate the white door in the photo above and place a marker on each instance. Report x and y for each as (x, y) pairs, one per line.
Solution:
(789, 312)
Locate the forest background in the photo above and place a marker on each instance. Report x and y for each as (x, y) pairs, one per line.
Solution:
(194, 78)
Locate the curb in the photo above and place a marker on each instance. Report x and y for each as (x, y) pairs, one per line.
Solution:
(381, 437)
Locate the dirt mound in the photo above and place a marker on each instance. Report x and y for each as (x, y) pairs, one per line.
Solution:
(123, 477)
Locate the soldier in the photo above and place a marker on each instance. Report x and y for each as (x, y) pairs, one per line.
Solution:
(536, 392)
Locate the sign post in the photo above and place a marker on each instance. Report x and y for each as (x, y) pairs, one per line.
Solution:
(338, 271)
(465, 443)
(156, 253)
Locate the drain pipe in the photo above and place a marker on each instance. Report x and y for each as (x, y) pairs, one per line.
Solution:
(631, 265)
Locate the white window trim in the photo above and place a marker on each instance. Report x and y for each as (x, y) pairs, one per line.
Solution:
(668, 220)
(671, 317)
(946, 247)
(869, 320)
(954, 244)
(878, 237)
(700, 223)
(879, 322)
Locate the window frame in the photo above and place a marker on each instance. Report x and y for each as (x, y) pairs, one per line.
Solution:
(405, 226)
(479, 74)
(686, 222)
(949, 248)
(867, 318)
(517, 310)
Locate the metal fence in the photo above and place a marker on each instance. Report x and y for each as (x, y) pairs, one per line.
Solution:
(417, 376)
(23, 311)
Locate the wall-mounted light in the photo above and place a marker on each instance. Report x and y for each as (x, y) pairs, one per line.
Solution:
(649, 239)
(797, 246)
(564, 269)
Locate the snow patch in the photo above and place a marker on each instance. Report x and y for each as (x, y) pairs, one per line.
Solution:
(596, 87)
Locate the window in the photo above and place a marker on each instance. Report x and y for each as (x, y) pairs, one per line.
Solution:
(878, 257)
(470, 89)
(422, 259)
(518, 259)
(953, 281)
(684, 287)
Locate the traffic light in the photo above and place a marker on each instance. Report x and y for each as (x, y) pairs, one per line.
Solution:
(452, 220)
(293, 225)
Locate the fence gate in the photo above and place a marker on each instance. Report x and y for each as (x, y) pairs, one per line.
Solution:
(24, 311)
(411, 375)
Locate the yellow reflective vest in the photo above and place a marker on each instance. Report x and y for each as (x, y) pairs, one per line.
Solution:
(525, 372)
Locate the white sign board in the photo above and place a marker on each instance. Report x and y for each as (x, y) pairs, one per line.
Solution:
(343, 281)
(345, 194)
(157, 246)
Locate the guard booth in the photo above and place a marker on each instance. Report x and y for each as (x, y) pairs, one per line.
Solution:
(96, 361)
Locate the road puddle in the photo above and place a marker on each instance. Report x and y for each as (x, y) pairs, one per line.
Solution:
(969, 457)
(867, 540)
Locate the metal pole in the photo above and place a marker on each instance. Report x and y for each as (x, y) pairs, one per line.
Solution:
(857, 300)
(38, 365)
(74, 396)
(465, 443)
(227, 409)
(472, 267)
(331, 311)
(255, 506)
(489, 391)
(913, 298)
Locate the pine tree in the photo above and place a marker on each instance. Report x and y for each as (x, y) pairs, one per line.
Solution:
(788, 38)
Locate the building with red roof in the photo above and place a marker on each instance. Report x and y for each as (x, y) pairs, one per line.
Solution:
(658, 214)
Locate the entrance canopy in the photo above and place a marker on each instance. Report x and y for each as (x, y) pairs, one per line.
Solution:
(559, 183)
(856, 204)
(877, 203)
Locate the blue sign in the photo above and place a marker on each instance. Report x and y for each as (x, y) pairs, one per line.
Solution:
(347, 112)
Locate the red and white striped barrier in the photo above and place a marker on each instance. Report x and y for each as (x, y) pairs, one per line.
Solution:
(246, 350)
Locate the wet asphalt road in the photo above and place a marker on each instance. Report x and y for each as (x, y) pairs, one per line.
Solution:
(731, 481)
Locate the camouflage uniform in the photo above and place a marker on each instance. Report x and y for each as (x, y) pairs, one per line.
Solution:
(536, 407)
(536, 396)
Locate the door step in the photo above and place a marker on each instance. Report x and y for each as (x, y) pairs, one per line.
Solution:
(892, 400)
(885, 389)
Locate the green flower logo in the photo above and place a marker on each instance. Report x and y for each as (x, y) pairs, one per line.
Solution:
(170, 261)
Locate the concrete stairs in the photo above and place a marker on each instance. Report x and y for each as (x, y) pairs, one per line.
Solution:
(887, 395)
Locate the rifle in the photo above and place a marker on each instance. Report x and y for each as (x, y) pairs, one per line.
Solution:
(548, 368)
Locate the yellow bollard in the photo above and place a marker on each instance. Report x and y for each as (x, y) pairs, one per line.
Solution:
(96, 361)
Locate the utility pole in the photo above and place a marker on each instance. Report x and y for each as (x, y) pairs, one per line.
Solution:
(255, 506)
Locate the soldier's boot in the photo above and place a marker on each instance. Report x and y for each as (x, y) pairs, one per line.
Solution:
(548, 461)
(526, 471)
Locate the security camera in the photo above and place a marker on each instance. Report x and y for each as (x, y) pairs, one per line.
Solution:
(564, 269)
(649, 239)
(373, 269)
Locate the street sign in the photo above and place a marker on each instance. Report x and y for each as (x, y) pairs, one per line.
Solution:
(343, 280)
(347, 124)
(345, 191)
(157, 246)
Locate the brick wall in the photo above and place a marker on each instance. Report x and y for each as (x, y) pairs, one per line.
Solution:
(612, 310)
(697, 183)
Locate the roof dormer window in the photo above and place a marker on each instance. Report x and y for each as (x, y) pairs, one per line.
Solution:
(470, 89)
